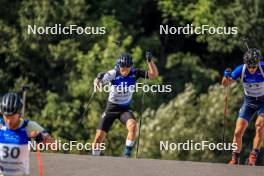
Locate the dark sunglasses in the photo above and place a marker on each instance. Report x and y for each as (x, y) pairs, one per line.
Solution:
(253, 67)
(125, 66)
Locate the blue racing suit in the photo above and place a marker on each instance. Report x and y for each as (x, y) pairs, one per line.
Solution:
(253, 85)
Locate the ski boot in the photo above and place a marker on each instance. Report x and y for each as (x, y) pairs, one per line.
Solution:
(251, 161)
(127, 151)
(235, 159)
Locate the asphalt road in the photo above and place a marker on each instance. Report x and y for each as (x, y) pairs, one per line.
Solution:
(82, 165)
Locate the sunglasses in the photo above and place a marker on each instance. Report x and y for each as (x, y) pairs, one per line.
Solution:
(125, 66)
(253, 67)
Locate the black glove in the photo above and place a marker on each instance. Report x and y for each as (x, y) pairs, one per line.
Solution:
(100, 76)
(148, 56)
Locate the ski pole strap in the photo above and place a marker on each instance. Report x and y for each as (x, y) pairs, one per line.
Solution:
(243, 72)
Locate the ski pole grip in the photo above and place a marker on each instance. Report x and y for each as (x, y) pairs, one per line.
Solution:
(148, 56)
(228, 72)
(25, 88)
(100, 76)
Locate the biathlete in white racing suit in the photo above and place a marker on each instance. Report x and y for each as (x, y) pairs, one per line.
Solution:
(122, 80)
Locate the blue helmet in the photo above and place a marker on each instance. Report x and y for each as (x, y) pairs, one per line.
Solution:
(124, 60)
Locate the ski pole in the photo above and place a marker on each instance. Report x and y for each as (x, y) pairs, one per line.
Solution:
(117, 51)
(41, 171)
(225, 111)
(141, 115)
(117, 43)
(25, 89)
(91, 93)
(245, 42)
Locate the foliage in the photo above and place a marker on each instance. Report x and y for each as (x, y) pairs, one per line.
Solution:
(60, 68)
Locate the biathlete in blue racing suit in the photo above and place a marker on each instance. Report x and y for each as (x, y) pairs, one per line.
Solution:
(252, 75)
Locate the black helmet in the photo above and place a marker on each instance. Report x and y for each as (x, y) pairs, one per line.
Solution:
(11, 103)
(124, 60)
(252, 57)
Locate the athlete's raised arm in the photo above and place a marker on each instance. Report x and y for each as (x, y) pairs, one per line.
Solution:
(152, 68)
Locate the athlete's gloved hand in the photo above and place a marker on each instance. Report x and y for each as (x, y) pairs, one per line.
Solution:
(148, 56)
(227, 73)
(227, 79)
(100, 76)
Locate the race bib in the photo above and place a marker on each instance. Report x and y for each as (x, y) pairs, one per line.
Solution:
(254, 89)
(14, 159)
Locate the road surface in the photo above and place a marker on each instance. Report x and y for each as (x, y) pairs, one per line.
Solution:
(82, 165)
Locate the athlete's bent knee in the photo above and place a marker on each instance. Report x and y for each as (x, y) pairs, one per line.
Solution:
(131, 125)
(259, 129)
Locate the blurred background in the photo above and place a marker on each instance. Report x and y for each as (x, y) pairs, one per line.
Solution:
(60, 68)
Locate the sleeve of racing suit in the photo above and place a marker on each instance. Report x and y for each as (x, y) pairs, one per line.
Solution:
(237, 72)
(108, 77)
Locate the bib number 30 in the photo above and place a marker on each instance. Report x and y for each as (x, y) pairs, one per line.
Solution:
(11, 152)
